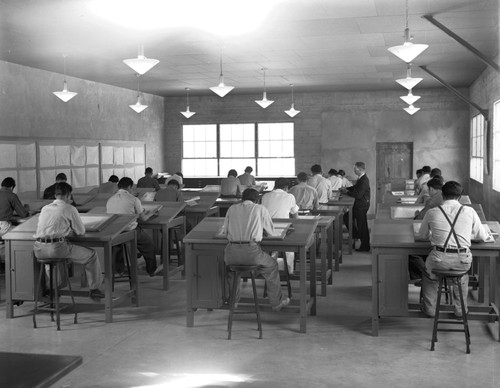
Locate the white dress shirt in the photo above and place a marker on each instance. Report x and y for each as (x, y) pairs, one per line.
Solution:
(437, 227)
(124, 203)
(336, 182)
(306, 196)
(59, 219)
(322, 185)
(246, 222)
(280, 204)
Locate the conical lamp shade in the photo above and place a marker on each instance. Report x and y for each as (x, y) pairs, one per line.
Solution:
(141, 65)
(187, 113)
(411, 110)
(292, 112)
(408, 82)
(264, 103)
(138, 107)
(408, 51)
(410, 99)
(221, 90)
(65, 94)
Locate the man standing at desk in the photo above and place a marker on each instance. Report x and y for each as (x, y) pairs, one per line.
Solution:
(147, 181)
(9, 202)
(450, 227)
(123, 202)
(361, 193)
(57, 221)
(244, 226)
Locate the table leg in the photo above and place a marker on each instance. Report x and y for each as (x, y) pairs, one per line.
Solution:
(165, 246)
(8, 280)
(375, 291)
(350, 230)
(108, 283)
(133, 271)
(338, 242)
(323, 253)
(303, 291)
(329, 252)
(312, 279)
(189, 286)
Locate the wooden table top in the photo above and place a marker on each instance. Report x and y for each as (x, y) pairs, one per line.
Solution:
(386, 211)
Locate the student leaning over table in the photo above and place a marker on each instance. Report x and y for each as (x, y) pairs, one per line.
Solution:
(244, 226)
(57, 221)
(450, 244)
(10, 203)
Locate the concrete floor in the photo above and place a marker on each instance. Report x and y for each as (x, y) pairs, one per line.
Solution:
(151, 346)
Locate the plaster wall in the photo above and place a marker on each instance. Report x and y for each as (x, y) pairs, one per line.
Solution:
(337, 129)
(28, 109)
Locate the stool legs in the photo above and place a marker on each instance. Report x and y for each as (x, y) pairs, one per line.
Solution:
(464, 315)
(436, 316)
(256, 304)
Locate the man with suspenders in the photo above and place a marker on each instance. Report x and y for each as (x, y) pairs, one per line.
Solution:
(450, 226)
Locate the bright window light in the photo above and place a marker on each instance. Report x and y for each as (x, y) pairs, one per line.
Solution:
(223, 17)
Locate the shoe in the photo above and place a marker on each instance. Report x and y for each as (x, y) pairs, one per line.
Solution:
(96, 294)
(284, 302)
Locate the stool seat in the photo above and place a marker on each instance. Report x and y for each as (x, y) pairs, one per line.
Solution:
(455, 276)
(238, 269)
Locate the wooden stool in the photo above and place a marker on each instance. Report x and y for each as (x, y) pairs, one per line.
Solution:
(454, 277)
(238, 270)
(53, 306)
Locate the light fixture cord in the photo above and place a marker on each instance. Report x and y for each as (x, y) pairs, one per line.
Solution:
(138, 80)
(221, 61)
(264, 70)
(292, 92)
(406, 13)
(187, 96)
(64, 66)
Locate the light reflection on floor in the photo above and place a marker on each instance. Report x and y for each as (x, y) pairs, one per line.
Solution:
(195, 380)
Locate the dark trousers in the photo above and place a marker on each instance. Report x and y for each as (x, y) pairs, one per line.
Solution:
(360, 226)
(146, 248)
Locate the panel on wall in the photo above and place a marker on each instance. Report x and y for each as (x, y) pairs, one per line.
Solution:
(18, 160)
(122, 159)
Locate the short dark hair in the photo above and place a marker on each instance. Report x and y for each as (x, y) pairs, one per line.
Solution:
(248, 169)
(316, 169)
(148, 170)
(9, 182)
(173, 182)
(436, 171)
(426, 169)
(452, 190)
(61, 177)
(281, 183)
(63, 189)
(125, 182)
(232, 172)
(333, 172)
(113, 178)
(419, 171)
(436, 182)
(179, 174)
(302, 177)
(360, 165)
(342, 172)
(250, 195)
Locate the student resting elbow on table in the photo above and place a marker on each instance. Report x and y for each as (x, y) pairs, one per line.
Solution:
(10, 203)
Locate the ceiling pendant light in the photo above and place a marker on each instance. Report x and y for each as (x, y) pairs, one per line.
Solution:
(292, 112)
(411, 110)
(408, 51)
(264, 103)
(221, 90)
(410, 98)
(141, 65)
(138, 107)
(65, 94)
(187, 113)
(408, 82)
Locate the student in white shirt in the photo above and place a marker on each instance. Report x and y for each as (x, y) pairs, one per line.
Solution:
(345, 182)
(123, 202)
(320, 183)
(57, 221)
(306, 196)
(244, 226)
(230, 186)
(335, 179)
(281, 204)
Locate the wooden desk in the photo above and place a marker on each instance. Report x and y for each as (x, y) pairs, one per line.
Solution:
(99, 200)
(347, 202)
(21, 268)
(36, 205)
(206, 271)
(392, 242)
(384, 210)
(204, 208)
(337, 212)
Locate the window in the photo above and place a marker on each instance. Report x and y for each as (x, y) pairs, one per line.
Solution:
(214, 149)
(496, 146)
(477, 148)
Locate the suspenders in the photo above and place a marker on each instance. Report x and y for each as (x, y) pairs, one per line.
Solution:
(452, 224)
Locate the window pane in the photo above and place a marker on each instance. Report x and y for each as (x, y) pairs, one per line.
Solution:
(199, 167)
(264, 149)
(225, 149)
(288, 148)
(187, 133)
(199, 150)
(188, 150)
(276, 167)
(211, 148)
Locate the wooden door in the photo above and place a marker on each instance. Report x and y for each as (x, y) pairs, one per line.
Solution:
(394, 167)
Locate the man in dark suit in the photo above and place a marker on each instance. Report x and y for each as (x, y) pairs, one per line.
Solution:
(361, 192)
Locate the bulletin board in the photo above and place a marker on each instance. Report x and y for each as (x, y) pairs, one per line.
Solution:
(122, 159)
(18, 161)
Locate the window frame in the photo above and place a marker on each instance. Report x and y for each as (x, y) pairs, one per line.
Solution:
(495, 180)
(477, 148)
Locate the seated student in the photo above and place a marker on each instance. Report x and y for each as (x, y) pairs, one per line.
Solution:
(57, 221)
(434, 185)
(178, 177)
(171, 193)
(230, 186)
(424, 192)
(321, 184)
(426, 175)
(335, 179)
(247, 179)
(123, 202)
(244, 227)
(49, 192)
(111, 186)
(345, 182)
(10, 203)
(147, 181)
(281, 204)
(306, 197)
